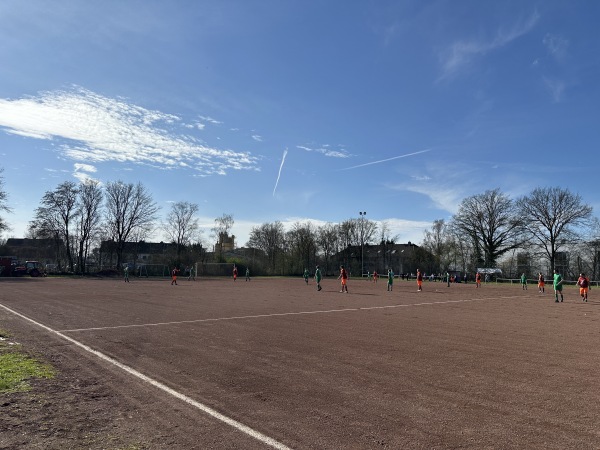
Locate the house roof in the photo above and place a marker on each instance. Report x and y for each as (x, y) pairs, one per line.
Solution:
(151, 248)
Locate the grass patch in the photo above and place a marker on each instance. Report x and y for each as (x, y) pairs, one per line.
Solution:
(17, 367)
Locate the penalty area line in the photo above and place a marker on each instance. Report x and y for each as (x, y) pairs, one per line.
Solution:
(202, 407)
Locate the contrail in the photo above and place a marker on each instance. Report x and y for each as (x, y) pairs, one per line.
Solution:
(385, 160)
(279, 174)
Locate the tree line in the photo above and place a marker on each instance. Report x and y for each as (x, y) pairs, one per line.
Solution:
(541, 229)
(488, 230)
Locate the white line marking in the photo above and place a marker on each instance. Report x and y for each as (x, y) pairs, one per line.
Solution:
(204, 408)
(298, 313)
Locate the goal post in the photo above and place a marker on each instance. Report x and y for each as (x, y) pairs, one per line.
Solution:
(214, 269)
(152, 270)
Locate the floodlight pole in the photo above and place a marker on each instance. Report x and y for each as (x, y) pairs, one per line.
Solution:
(362, 242)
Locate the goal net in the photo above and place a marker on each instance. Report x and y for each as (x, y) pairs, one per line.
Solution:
(214, 269)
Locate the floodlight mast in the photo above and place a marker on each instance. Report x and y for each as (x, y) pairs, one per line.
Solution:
(362, 242)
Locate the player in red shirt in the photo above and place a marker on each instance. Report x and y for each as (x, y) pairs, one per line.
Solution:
(174, 273)
(419, 280)
(584, 284)
(344, 277)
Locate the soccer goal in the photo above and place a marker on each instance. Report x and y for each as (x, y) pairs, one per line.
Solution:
(214, 269)
(152, 270)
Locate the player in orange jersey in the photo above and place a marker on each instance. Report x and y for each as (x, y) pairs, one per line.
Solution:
(344, 277)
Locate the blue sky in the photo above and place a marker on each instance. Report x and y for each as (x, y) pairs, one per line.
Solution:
(300, 110)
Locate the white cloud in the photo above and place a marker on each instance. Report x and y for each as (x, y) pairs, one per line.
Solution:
(93, 128)
(82, 172)
(557, 46)
(407, 230)
(325, 150)
(556, 89)
(82, 176)
(460, 53)
(84, 167)
(421, 177)
(445, 183)
(210, 120)
(257, 138)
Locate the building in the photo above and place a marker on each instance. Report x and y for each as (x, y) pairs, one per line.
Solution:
(401, 258)
(47, 251)
(224, 245)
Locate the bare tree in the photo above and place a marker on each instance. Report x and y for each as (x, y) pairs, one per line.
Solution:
(551, 216)
(56, 216)
(490, 221)
(89, 213)
(348, 236)
(460, 251)
(181, 225)
(302, 241)
(437, 242)
(128, 207)
(3, 205)
(354, 233)
(368, 231)
(270, 238)
(223, 224)
(348, 233)
(328, 241)
(386, 244)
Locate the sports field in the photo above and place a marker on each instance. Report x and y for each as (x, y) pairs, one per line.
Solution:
(214, 363)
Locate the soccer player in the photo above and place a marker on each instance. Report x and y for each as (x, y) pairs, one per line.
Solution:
(247, 273)
(584, 284)
(375, 276)
(174, 273)
(306, 274)
(524, 281)
(234, 272)
(541, 283)
(318, 278)
(478, 280)
(390, 279)
(344, 277)
(558, 286)
(419, 281)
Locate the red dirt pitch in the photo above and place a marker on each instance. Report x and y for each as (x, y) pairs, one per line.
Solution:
(214, 363)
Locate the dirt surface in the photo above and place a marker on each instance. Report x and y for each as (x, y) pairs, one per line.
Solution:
(449, 367)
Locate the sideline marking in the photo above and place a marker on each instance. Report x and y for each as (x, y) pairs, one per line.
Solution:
(298, 313)
(206, 409)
